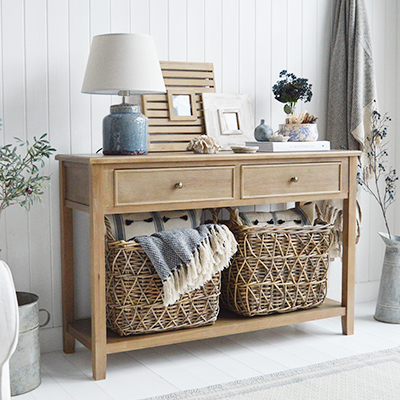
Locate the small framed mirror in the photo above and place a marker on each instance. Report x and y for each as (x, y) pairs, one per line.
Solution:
(230, 121)
(182, 105)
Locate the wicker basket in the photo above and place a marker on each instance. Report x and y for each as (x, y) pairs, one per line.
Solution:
(276, 269)
(134, 295)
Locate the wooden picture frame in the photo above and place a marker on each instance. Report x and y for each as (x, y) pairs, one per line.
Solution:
(217, 106)
(182, 105)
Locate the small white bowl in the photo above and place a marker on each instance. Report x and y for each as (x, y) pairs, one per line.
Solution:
(244, 149)
(278, 138)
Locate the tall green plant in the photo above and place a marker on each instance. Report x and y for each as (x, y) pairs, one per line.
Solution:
(21, 178)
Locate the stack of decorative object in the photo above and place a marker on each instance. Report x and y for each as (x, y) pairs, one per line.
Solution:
(289, 90)
(299, 132)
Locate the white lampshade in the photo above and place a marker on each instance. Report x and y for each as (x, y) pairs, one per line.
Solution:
(123, 62)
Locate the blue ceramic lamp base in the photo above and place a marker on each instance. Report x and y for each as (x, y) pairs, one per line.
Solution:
(125, 131)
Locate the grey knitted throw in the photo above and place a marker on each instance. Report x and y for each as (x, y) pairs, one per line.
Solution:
(186, 258)
(351, 96)
(351, 78)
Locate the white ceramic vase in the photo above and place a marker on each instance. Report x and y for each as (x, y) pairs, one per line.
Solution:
(299, 132)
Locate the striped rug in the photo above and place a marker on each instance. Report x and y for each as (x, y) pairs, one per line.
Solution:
(372, 376)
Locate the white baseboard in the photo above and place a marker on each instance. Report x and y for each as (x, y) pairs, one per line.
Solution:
(364, 291)
(367, 291)
(50, 339)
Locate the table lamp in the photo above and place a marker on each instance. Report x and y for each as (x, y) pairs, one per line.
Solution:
(124, 64)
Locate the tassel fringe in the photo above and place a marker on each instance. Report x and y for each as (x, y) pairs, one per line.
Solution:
(332, 213)
(212, 256)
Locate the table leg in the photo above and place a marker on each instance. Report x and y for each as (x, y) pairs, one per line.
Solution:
(349, 250)
(97, 276)
(67, 266)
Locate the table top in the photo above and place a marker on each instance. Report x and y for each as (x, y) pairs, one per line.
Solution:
(189, 156)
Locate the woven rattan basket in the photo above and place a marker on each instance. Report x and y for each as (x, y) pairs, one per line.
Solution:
(134, 295)
(276, 269)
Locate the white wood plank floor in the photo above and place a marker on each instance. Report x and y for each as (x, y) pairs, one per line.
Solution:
(145, 373)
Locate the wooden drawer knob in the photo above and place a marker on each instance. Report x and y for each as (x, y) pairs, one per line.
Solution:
(179, 185)
(295, 179)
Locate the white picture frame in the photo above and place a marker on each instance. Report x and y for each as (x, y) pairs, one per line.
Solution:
(228, 118)
(230, 121)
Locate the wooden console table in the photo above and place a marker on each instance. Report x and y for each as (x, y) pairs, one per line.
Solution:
(101, 185)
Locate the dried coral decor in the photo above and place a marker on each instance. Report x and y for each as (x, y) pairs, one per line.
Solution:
(101, 185)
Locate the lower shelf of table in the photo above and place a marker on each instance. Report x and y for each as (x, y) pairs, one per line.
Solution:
(227, 323)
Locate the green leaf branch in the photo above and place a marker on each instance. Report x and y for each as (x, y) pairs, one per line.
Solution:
(21, 179)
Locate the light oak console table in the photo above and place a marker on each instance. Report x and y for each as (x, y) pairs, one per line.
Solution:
(101, 185)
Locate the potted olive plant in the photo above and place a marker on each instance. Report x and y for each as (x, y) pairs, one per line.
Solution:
(379, 181)
(290, 89)
(22, 182)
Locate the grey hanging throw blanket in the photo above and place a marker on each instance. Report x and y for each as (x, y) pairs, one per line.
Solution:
(352, 90)
(185, 259)
(351, 96)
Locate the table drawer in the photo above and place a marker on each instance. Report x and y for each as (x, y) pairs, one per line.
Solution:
(171, 185)
(260, 181)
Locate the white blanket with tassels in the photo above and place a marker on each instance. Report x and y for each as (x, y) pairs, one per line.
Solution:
(185, 259)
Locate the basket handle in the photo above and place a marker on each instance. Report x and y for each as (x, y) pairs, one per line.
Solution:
(214, 213)
(109, 235)
(234, 219)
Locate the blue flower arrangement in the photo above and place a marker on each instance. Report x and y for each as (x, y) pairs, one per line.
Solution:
(290, 89)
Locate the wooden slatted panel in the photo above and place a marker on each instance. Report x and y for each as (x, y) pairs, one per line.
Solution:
(167, 135)
(167, 146)
(177, 129)
(157, 113)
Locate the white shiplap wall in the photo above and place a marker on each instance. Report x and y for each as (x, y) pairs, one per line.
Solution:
(44, 47)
